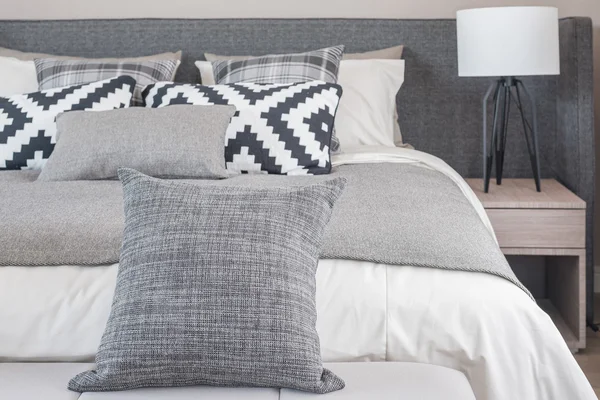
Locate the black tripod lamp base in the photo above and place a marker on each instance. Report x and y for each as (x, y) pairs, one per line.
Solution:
(508, 91)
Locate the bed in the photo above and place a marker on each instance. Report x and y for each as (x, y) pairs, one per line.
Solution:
(483, 325)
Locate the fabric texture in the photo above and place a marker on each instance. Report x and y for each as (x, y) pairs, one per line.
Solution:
(317, 65)
(17, 77)
(415, 216)
(216, 286)
(27, 121)
(367, 114)
(27, 56)
(277, 129)
(53, 73)
(172, 142)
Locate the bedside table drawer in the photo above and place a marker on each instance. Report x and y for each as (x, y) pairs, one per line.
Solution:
(550, 228)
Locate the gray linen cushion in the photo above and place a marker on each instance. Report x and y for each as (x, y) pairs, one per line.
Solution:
(317, 65)
(216, 286)
(181, 141)
(54, 73)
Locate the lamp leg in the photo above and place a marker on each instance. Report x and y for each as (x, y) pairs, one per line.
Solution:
(488, 151)
(530, 131)
(501, 139)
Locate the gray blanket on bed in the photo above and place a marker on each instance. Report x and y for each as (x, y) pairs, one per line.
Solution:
(397, 214)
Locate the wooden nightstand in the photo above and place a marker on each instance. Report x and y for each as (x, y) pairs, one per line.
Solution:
(550, 224)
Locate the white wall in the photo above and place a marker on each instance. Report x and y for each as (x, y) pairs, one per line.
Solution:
(64, 9)
(269, 8)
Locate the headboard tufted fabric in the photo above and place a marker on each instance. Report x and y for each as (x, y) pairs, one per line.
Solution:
(439, 112)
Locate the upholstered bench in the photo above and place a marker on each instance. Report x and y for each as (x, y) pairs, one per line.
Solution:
(382, 381)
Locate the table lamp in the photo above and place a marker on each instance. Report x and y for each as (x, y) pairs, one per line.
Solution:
(508, 42)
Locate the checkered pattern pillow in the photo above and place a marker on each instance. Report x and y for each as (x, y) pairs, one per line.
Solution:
(317, 65)
(53, 73)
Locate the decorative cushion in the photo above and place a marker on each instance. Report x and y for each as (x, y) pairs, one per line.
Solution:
(317, 65)
(172, 142)
(53, 73)
(27, 121)
(216, 286)
(277, 129)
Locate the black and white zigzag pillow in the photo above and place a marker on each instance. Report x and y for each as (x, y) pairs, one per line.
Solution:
(27, 121)
(277, 129)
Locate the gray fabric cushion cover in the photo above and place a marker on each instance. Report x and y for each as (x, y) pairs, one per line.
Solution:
(216, 286)
(173, 142)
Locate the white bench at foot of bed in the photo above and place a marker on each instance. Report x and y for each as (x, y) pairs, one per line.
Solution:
(382, 381)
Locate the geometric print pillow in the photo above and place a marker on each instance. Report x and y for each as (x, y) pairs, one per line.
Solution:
(277, 129)
(53, 73)
(27, 121)
(316, 65)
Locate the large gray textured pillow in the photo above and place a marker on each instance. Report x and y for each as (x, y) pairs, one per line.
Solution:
(181, 141)
(216, 286)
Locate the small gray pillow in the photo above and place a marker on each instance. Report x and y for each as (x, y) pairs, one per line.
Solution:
(216, 286)
(181, 141)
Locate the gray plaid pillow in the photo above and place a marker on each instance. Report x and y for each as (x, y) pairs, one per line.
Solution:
(317, 65)
(216, 286)
(53, 73)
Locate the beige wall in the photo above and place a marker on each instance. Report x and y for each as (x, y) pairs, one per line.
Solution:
(47, 9)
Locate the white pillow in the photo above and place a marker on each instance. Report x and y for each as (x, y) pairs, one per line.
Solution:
(367, 114)
(17, 77)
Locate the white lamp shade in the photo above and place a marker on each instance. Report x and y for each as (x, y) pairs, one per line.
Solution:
(508, 41)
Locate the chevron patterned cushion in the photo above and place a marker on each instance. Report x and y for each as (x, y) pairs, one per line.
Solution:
(277, 129)
(27, 121)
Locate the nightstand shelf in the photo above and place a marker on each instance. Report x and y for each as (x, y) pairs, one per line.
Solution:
(548, 225)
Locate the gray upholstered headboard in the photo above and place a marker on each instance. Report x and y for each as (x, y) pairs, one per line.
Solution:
(439, 112)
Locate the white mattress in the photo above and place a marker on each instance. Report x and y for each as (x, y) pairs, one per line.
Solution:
(476, 323)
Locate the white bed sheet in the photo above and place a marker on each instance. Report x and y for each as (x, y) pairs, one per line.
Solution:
(476, 323)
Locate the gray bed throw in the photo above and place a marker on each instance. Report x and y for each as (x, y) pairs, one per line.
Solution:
(396, 214)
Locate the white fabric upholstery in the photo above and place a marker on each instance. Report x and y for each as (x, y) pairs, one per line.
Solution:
(393, 381)
(382, 381)
(38, 381)
(187, 393)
